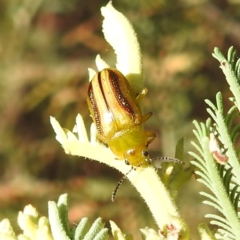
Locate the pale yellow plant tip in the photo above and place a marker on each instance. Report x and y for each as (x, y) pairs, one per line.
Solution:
(119, 33)
(6, 230)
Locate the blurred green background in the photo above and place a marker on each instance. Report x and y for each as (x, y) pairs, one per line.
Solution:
(45, 50)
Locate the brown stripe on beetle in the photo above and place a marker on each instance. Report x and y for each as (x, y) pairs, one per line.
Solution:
(94, 110)
(114, 79)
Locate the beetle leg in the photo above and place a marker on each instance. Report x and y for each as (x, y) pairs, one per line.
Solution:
(146, 117)
(142, 94)
(151, 136)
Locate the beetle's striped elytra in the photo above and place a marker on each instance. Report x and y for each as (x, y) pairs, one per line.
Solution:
(118, 117)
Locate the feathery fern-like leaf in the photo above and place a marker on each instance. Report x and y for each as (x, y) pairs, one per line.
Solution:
(222, 180)
(58, 218)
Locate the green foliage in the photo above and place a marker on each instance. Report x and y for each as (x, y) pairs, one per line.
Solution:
(32, 225)
(60, 229)
(58, 218)
(218, 167)
(174, 177)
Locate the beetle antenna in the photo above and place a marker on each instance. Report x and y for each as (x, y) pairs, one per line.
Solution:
(166, 159)
(119, 184)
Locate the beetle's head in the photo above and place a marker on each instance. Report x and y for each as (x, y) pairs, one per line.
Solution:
(137, 156)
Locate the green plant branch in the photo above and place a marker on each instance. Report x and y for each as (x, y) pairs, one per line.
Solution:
(227, 66)
(222, 180)
(57, 218)
(225, 135)
(208, 170)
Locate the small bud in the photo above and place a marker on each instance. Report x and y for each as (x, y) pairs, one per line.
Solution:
(215, 150)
